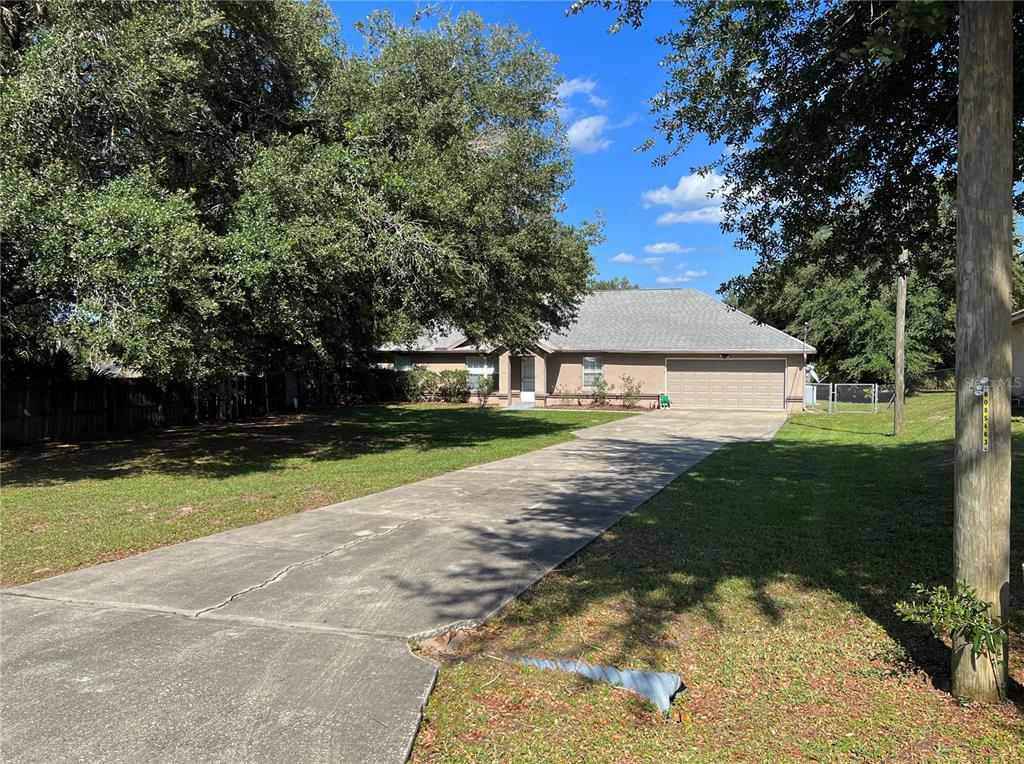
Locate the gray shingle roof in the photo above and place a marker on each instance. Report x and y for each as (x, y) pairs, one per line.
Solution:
(428, 342)
(646, 320)
(668, 319)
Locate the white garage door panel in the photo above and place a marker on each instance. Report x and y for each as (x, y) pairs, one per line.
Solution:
(718, 383)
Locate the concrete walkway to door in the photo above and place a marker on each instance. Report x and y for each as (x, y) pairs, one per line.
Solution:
(288, 640)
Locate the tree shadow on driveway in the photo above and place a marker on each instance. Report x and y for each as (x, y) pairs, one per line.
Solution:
(857, 523)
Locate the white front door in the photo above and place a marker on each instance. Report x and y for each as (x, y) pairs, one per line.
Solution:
(526, 390)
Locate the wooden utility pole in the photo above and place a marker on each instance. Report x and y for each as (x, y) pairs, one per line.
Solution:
(981, 525)
(901, 341)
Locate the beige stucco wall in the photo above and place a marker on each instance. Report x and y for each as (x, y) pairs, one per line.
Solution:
(565, 372)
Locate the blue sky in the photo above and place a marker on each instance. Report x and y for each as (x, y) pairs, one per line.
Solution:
(661, 229)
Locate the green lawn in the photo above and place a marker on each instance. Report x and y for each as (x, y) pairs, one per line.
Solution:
(68, 506)
(766, 578)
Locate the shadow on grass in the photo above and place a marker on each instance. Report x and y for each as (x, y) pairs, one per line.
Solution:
(861, 521)
(228, 449)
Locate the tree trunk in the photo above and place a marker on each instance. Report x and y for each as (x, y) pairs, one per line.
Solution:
(981, 532)
(901, 340)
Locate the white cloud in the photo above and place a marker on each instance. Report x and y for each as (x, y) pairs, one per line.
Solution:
(666, 248)
(691, 190)
(597, 101)
(626, 257)
(569, 88)
(683, 277)
(702, 215)
(587, 134)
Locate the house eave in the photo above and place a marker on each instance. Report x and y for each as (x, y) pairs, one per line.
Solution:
(809, 350)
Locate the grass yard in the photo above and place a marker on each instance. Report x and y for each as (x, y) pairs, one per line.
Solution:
(766, 578)
(73, 505)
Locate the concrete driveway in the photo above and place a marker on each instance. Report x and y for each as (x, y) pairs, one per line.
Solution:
(288, 640)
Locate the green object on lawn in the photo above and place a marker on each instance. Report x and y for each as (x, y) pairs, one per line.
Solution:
(665, 402)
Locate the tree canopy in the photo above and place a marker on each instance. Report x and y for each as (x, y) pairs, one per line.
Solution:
(209, 188)
(839, 119)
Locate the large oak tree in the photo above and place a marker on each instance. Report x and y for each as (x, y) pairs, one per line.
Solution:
(205, 188)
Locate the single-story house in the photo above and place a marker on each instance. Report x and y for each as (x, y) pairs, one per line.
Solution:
(700, 351)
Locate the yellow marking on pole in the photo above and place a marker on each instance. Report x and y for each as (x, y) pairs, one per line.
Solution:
(984, 421)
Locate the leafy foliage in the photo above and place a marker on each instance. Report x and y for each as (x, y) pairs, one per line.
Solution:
(851, 321)
(207, 188)
(484, 388)
(421, 384)
(839, 119)
(631, 391)
(959, 615)
(616, 282)
(601, 390)
(453, 386)
(850, 316)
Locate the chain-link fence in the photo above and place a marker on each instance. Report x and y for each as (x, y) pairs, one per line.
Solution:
(847, 397)
(853, 397)
(818, 397)
(886, 396)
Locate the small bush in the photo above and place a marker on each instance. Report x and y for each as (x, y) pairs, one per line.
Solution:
(566, 396)
(958, 614)
(453, 386)
(601, 390)
(484, 388)
(630, 392)
(423, 384)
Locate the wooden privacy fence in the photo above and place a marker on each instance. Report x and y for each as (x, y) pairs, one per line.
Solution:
(67, 410)
(61, 409)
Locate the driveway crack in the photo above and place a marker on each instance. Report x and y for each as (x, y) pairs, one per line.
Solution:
(283, 572)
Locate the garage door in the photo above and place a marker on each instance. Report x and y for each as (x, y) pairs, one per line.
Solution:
(747, 383)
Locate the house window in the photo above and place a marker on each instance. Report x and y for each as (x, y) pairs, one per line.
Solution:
(403, 363)
(480, 366)
(593, 367)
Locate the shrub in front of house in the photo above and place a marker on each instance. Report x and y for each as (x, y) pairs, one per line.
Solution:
(484, 388)
(601, 390)
(454, 386)
(421, 384)
(631, 392)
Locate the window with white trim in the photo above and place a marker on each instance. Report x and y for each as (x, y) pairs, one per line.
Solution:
(403, 363)
(480, 366)
(593, 367)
